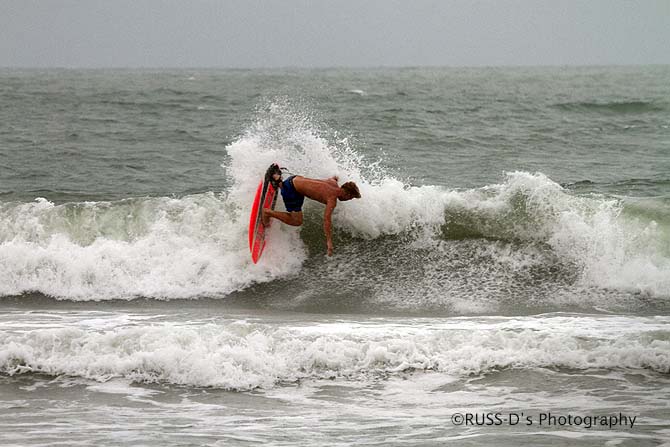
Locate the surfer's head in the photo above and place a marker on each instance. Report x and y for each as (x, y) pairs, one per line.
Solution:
(349, 191)
(273, 174)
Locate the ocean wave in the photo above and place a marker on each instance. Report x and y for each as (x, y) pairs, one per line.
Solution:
(151, 247)
(196, 245)
(243, 356)
(611, 245)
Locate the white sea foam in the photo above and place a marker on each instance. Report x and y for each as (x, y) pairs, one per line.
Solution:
(239, 355)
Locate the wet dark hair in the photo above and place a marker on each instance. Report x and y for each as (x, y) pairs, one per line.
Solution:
(352, 190)
(272, 170)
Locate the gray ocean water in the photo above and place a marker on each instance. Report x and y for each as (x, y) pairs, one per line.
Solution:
(509, 259)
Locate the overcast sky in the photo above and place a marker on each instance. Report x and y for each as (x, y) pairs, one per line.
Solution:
(327, 33)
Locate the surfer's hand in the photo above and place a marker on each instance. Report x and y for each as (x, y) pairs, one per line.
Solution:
(330, 248)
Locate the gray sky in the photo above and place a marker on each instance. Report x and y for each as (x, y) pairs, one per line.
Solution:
(322, 33)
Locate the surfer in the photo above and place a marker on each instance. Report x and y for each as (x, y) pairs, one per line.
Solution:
(294, 190)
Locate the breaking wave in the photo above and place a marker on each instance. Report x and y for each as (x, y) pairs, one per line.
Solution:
(196, 246)
(242, 355)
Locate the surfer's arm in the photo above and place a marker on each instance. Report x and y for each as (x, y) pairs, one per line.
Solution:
(328, 224)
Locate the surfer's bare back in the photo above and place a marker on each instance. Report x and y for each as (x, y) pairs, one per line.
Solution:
(294, 190)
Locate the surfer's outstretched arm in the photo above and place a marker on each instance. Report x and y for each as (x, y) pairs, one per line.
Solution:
(328, 224)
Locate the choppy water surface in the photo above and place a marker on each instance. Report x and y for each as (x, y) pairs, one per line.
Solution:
(510, 254)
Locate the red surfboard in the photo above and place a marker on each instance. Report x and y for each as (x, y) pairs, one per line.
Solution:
(266, 197)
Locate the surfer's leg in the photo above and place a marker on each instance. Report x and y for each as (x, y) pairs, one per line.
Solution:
(293, 218)
(265, 216)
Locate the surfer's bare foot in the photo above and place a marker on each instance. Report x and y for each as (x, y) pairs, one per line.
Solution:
(264, 217)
